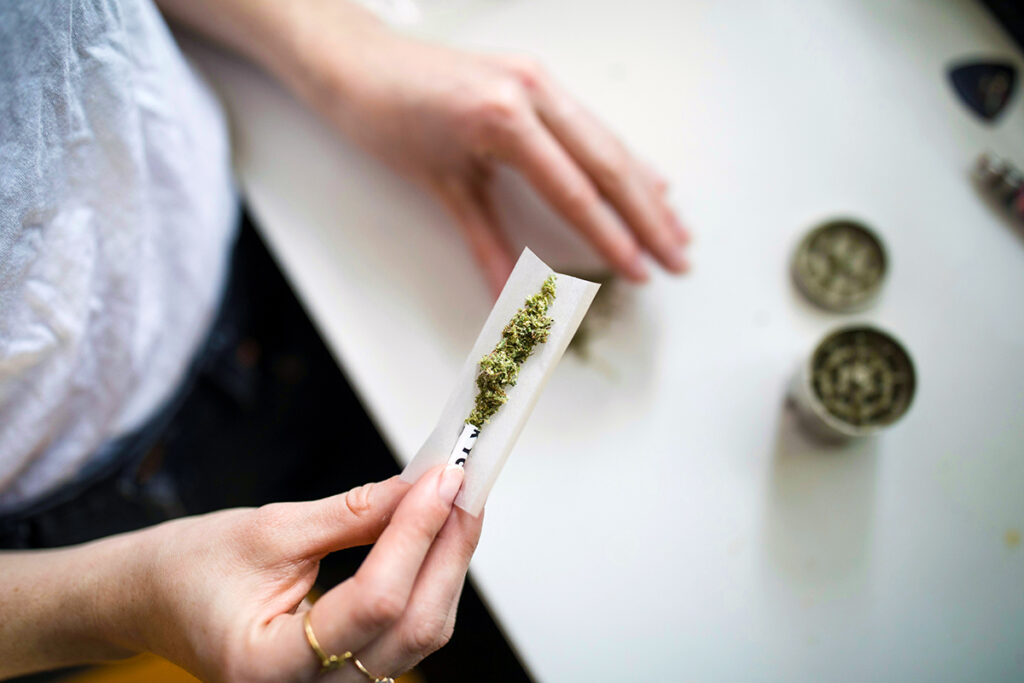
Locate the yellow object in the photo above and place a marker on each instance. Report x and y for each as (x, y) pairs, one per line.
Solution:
(385, 679)
(153, 669)
(147, 667)
(327, 662)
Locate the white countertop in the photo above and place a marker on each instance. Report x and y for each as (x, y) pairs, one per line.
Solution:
(661, 516)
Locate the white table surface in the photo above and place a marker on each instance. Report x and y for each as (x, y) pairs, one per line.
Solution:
(662, 515)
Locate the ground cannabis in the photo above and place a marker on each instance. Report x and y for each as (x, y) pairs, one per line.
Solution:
(500, 368)
(863, 377)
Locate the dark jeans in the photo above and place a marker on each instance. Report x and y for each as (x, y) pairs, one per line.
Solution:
(265, 415)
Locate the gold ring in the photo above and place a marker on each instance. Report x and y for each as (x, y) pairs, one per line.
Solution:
(327, 662)
(375, 679)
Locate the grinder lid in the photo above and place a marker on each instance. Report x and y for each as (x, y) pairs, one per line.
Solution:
(840, 265)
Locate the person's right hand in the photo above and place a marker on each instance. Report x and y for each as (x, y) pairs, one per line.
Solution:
(227, 592)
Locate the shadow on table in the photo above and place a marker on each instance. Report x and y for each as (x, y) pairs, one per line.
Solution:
(820, 508)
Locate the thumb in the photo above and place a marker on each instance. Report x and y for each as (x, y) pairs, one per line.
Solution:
(356, 517)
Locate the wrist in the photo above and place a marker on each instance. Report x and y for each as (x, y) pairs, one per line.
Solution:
(301, 42)
(321, 50)
(71, 606)
(110, 594)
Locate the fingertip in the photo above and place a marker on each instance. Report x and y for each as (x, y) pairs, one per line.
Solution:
(635, 269)
(675, 261)
(683, 235)
(434, 472)
(441, 480)
(451, 481)
(656, 178)
(680, 235)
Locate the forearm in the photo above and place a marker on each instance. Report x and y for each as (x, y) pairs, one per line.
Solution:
(71, 605)
(301, 42)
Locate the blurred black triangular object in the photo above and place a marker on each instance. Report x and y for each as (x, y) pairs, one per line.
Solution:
(985, 87)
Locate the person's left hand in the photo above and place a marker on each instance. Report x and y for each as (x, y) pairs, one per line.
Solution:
(444, 118)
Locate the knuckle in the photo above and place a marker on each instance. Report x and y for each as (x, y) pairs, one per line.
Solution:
(627, 250)
(386, 608)
(270, 522)
(266, 532)
(424, 521)
(424, 637)
(580, 201)
(271, 515)
(527, 71)
(358, 500)
(426, 524)
(380, 608)
(612, 169)
(503, 103)
(498, 113)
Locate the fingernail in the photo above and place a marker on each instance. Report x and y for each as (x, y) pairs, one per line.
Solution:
(636, 269)
(682, 234)
(451, 482)
(676, 262)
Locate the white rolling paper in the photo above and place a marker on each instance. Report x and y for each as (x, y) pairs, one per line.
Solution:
(498, 436)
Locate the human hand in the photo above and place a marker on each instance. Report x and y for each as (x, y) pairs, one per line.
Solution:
(444, 118)
(225, 590)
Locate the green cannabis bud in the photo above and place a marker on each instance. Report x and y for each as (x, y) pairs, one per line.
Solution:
(500, 368)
